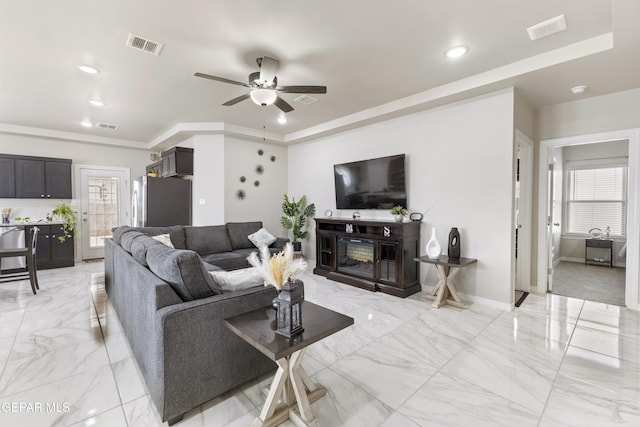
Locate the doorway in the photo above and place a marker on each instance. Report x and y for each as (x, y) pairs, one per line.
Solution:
(104, 204)
(546, 218)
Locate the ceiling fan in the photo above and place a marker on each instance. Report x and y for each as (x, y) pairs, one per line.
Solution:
(264, 86)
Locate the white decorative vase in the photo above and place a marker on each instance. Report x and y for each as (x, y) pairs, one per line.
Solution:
(433, 246)
(398, 218)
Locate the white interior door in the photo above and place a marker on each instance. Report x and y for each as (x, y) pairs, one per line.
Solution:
(550, 240)
(104, 204)
(523, 213)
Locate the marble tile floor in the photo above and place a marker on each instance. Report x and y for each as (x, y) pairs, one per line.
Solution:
(555, 361)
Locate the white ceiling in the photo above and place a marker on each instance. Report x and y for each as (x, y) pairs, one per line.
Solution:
(376, 58)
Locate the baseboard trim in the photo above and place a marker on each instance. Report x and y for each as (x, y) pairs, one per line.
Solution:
(581, 261)
(476, 299)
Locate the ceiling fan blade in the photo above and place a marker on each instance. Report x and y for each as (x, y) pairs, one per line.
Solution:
(268, 70)
(220, 79)
(234, 101)
(302, 89)
(283, 105)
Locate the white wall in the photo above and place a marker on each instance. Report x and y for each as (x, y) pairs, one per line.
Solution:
(459, 168)
(615, 111)
(262, 202)
(208, 179)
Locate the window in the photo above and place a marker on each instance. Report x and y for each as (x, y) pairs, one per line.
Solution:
(596, 197)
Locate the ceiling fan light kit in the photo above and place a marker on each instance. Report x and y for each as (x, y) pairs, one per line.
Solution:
(263, 97)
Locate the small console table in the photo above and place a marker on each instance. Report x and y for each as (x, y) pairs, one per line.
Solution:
(448, 268)
(602, 244)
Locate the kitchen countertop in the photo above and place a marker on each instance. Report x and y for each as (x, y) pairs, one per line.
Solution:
(16, 224)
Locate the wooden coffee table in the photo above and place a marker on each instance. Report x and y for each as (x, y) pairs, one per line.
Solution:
(290, 382)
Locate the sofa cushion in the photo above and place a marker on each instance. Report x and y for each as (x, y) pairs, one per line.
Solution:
(231, 281)
(227, 260)
(210, 239)
(239, 233)
(262, 238)
(118, 232)
(176, 232)
(183, 270)
(127, 239)
(139, 248)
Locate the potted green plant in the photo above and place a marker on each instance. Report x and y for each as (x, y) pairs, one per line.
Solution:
(153, 172)
(68, 217)
(398, 213)
(295, 218)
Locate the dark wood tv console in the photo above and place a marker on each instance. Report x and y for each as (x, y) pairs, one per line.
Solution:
(373, 255)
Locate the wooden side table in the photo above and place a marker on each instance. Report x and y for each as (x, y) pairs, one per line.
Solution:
(448, 268)
(291, 382)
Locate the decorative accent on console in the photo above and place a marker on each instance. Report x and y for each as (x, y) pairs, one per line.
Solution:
(433, 248)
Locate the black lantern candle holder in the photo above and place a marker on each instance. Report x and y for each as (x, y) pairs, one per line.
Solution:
(289, 313)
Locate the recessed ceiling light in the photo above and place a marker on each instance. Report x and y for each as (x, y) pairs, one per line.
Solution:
(96, 103)
(86, 124)
(456, 52)
(282, 119)
(577, 90)
(88, 69)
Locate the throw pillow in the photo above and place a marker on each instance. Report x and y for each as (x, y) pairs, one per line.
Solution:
(262, 238)
(236, 280)
(165, 239)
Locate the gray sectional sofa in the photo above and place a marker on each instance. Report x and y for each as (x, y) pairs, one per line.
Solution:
(172, 311)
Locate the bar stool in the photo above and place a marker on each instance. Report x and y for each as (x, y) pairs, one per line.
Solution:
(30, 254)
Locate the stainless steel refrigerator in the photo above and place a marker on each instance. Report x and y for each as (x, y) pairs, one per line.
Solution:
(161, 202)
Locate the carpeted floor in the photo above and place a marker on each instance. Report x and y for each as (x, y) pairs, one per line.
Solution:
(589, 282)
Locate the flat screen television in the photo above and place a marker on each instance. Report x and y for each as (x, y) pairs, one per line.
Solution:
(371, 184)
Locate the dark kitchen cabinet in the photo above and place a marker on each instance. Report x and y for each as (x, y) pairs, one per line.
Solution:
(50, 251)
(7, 178)
(57, 179)
(38, 177)
(30, 179)
(177, 161)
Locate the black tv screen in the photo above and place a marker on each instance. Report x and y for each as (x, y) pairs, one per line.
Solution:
(371, 184)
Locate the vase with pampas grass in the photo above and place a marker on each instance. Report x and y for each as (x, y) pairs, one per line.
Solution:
(280, 271)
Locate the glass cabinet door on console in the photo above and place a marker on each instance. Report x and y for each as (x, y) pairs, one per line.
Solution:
(326, 250)
(388, 262)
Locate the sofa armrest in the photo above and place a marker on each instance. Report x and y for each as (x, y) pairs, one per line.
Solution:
(197, 345)
(279, 243)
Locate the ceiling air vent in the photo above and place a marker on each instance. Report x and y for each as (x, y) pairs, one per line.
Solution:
(137, 42)
(305, 99)
(107, 126)
(548, 27)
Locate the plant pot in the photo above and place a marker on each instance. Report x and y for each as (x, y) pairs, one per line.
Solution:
(398, 218)
(297, 246)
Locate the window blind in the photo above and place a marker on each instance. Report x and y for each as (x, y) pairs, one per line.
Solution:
(596, 198)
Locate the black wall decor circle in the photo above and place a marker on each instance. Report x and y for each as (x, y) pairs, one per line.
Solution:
(260, 152)
(256, 183)
(241, 194)
(243, 179)
(259, 169)
(273, 158)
